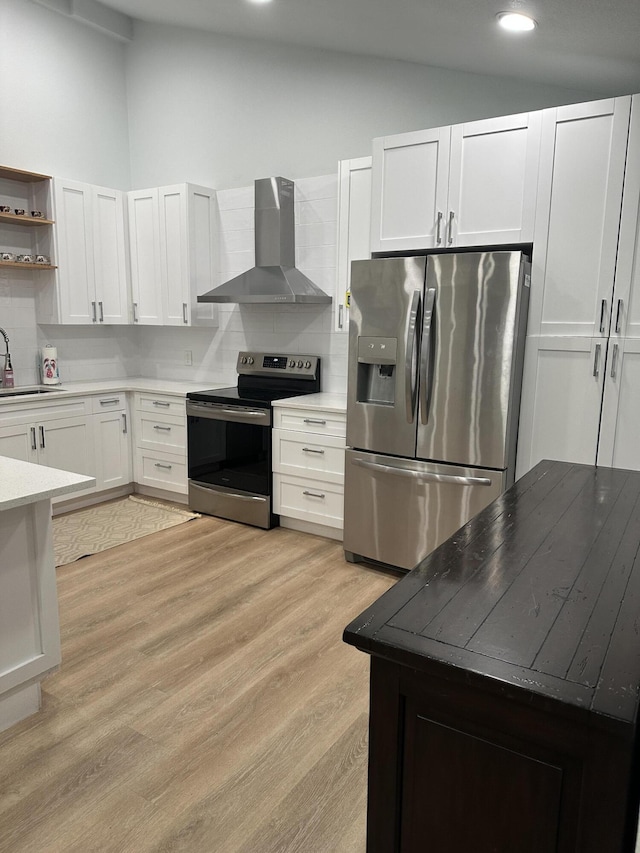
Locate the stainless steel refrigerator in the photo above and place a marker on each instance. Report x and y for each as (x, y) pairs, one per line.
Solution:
(436, 348)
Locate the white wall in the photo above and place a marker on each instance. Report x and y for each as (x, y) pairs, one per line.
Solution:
(223, 111)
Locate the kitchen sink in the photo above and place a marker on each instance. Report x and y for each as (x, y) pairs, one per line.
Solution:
(23, 392)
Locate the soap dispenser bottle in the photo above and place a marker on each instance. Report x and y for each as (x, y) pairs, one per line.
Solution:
(7, 373)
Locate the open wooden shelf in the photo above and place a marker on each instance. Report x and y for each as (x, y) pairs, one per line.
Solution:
(20, 175)
(12, 219)
(18, 266)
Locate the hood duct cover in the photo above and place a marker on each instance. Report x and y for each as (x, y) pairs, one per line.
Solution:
(274, 277)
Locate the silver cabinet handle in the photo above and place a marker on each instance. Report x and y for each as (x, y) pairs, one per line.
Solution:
(185, 319)
(163, 428)
(596, 360)
(34, 445)
(425, 353)
(426, 476)
(312, 450)
(135, 312)
(452, 216)
(101, 312)
(411, 388)
(124, 422)
(93, 308)
(314, 494)
(603, 313)
(619, 315)
(314, 421)
(110, 402)
(244, 413)
(340, 308)
(614, 360)
(439, 228)
(42, 444)
(161, 465)
(161, 403)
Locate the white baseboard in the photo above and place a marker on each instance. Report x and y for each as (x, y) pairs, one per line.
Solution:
(90, 500)
(18, 705)
(311, 527)
(161, 494)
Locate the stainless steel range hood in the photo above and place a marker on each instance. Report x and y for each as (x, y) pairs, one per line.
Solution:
(274, 277)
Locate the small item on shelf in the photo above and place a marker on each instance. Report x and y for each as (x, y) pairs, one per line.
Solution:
(4, 208)
(19, 211)
(43, 259)
(7, 373)
(8, 256)
(25, 259)
(37, 214)
(49, 365)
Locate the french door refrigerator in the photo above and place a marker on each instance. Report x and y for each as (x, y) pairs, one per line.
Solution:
(436, 347)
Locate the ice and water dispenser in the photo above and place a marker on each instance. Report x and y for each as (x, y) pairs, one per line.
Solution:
(376, 370)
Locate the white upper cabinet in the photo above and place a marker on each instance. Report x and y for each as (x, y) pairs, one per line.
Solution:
(582, 165)
(409, 190)
(468, 185)
(172, 232)
(625, 313)
(91, 283)
(354, 226)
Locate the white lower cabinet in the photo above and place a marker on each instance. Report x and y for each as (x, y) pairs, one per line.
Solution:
(308, 468)
(160, 455)
(112, 441)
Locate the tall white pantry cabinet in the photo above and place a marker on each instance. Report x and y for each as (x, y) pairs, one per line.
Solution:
(581, 361)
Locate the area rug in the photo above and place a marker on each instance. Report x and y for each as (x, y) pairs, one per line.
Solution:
(104, 526)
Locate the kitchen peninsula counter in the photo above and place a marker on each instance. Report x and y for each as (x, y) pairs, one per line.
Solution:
(505, 676)
(29, 627)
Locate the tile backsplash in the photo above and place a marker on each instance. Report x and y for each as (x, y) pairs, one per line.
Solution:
(89, 352)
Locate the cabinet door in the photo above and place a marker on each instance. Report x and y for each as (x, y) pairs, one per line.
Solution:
(625, 317)
(74, 239)
(67, 444)
(582, 164)
(202, 234)
(561, 396)
(493, 181)
(19, 442)
(113, 450)
(354, 227)
(619, 445)
(110, 261)
(409, 190)
(144, 237)
(174, 259)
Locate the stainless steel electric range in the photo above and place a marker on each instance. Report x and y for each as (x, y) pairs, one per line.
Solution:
(229, 436)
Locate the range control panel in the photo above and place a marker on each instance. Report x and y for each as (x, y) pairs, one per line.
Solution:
(264, 364)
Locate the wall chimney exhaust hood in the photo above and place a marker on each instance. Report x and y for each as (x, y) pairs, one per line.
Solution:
(274, 277)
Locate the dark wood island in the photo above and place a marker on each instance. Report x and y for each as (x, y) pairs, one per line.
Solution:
(505, 674)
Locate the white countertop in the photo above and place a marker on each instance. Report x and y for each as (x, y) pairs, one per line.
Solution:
(23, 483)
(324, 401)
(106, 386)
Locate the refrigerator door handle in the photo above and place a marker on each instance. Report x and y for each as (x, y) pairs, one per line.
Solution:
(411, 387)
(427, 477)
(425, 353)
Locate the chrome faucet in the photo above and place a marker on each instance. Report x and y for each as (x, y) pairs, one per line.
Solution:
(7, 373)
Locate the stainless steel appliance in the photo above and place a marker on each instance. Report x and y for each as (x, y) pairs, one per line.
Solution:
(436, 349)
(229, 436)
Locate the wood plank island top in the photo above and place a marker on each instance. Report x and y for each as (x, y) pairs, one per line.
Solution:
(537, 597)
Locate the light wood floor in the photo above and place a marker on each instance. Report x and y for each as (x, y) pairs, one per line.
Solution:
(205, 703)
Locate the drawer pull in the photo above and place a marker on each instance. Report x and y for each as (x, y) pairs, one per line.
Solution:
(314, 421)
(161, 465)
(110, 402)
(163, 428)
(314, 494)
(161, 403)
(312, 450)
(124, 423)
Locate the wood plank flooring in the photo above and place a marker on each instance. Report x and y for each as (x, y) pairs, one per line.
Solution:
(205, 702)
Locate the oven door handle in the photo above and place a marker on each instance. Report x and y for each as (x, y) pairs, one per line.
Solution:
(205, 410)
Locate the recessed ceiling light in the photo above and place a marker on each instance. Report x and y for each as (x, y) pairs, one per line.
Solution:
(516, 22)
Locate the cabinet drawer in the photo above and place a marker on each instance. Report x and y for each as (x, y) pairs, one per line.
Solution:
(308, 500)
(161, 470)
(161, 403)
(308, 420)
(109, 402)
(168, 434)
(44, 410)
(308, 455)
